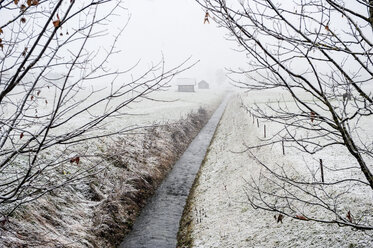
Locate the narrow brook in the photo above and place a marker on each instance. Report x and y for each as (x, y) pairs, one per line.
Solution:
(158, 223)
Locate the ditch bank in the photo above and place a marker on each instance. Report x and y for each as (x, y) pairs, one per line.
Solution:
(143, 172)
(158, 223)
(184, 238)
(99, 210)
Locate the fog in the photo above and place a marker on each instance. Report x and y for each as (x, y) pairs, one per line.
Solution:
(174, 29)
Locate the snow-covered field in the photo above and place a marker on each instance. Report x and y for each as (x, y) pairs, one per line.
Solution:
(169, 106)
(118, 173)
(219, 214)
(156, 107)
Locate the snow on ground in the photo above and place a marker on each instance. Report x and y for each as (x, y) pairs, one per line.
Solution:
(218, 213)
(170, 106)
(159, 106)
(100, 208)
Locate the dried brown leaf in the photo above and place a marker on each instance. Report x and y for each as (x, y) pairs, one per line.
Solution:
(23, 20)
(56, 23)
(75, 159)
(16, 2)
(301, 217)
(24, 52)
(349, 216)
(280, 218)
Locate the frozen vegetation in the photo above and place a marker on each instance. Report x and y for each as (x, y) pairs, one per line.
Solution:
(219, 213)
(99, 208)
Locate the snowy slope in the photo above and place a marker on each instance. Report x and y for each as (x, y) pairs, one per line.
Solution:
(218, 213)
(118, 174)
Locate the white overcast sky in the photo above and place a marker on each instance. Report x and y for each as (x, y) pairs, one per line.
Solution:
(175, 28)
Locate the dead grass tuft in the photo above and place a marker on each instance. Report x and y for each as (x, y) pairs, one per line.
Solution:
(100, 210)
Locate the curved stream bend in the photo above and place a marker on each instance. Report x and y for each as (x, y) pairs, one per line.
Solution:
(158, 223)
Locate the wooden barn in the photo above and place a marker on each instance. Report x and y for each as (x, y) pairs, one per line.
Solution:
(185, 84)
(203, 85)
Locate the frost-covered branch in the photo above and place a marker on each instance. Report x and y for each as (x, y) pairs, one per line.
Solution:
(319, 54)
(58, 90)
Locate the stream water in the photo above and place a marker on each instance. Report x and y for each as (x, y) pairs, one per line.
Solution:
(158, 223)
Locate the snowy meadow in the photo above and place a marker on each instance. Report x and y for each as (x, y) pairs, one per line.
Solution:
(244, 174)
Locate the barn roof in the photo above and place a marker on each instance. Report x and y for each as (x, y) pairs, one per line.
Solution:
(185, 81)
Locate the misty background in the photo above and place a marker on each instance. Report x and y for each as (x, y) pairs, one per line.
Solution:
(174, 30)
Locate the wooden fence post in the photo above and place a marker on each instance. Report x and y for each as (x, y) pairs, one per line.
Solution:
(322, 170)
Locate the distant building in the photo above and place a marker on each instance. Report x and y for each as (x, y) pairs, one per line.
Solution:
(203, 85)
(185, 84)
